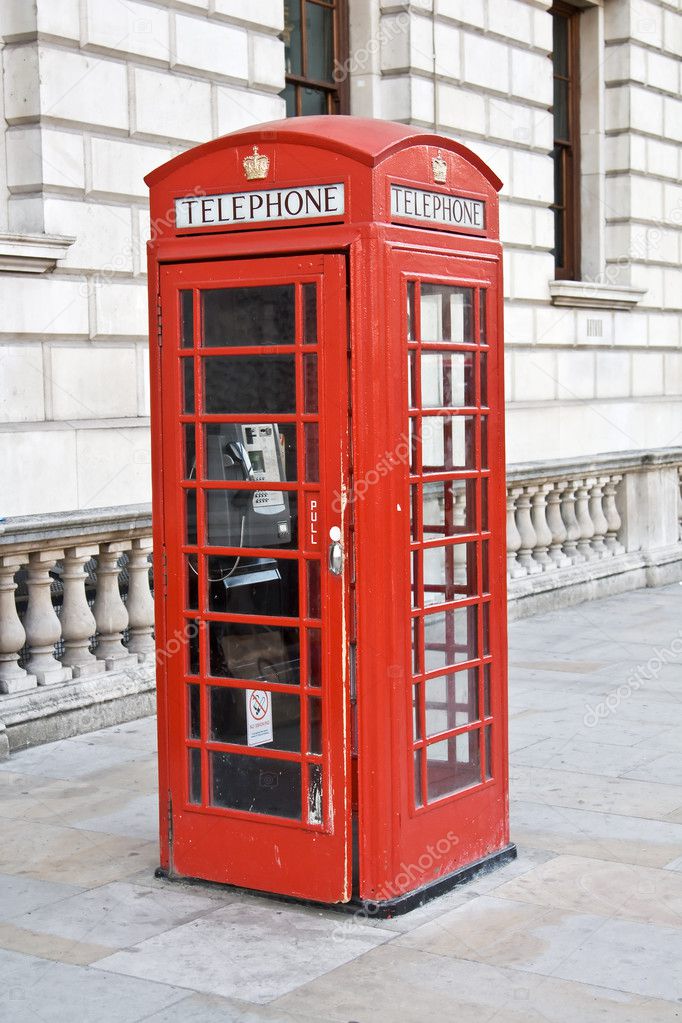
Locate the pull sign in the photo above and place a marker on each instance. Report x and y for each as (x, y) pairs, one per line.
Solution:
(437, 207)
(303, 203)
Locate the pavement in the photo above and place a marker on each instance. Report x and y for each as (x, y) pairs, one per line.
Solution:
(584, 927)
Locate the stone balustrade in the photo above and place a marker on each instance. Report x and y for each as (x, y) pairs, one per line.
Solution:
(592, 527)
(76, 615)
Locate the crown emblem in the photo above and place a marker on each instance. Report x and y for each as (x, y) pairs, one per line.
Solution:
(440, 169)
(256, 166)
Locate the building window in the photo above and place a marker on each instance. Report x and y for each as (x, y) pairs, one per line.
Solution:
(316, 51)
(566, 153)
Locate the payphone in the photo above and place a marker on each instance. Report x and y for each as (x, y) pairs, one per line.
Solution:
(330, 508)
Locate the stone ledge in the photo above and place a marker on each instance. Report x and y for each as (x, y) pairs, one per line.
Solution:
(566, 587)
(585, 294)
(71, 708)
(32, 253)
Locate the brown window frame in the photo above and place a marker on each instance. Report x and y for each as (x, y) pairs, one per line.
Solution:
(566, 152)
(337, 92)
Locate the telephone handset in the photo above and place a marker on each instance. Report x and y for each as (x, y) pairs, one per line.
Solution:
(239, 518)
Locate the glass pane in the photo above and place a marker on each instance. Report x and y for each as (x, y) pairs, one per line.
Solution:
(314, 725)
(194, 765)
(256, 784)
(453, 764)
(235, 712)
(415, 434)
(193, 647)
(186, 319)
(290, 99)
(254, 586)
(561, 109)
(448, 379)
(244, 383)
(450, 637)
(315, 794)
(416, 722)
(485, 577)
(194, 712)
(311, 433)
(314, 589)
(484, 505)
(309, 314)
(251, 518)
(191, 516)
(248, 316)
(486, 629)
(292, 37)
(483, 318)
(190, 451)
(313, 101)
(560, 44)
(448, 443)
(191, 583)
(451, 701)
(314, 650)
(449, 573)
(488, 751)
(411, 379)
(411, 325)
(484, 443)
(447, 313)
(258, 652)
(486, 690)
(416, 646)
(418, 797)
(449, 508)
(414, 577)
(188, 386)
(483, 372)
(320, 36)
(250, 451)
(310, 403)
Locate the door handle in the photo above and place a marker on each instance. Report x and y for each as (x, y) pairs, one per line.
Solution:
(335, 558)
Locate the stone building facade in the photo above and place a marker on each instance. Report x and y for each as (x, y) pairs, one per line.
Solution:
(95, 93)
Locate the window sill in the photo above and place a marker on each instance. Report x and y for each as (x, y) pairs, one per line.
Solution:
(32, 253)
(595, 296)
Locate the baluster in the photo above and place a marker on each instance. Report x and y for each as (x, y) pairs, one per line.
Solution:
(543, 534)
(556, 525)
(43, 628)
(13, 678)
(140, 603)
(612, 517)
(109, 610)
(514, 569)
(584, 518)
(570, 521)
(525, 527)
(78, 621)
(598, 518)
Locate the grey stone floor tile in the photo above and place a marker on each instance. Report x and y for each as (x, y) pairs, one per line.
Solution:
(666, 769)
(84, 858)
(139, 734)
(637, 957)
(571, 754)
(593, 792)
(582, 885)
(213, 1009)
(38, 991)
(392, 984)
(255, 952)
(70, 758)
(595, 834)
(117, 914)
(138, 817)
(20, 895)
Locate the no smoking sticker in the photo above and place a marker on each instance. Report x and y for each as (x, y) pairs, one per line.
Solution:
(258, 717)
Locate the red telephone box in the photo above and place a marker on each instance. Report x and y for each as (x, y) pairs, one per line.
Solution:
(329, 512)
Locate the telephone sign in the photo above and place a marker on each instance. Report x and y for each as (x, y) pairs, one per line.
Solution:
(328, 467)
